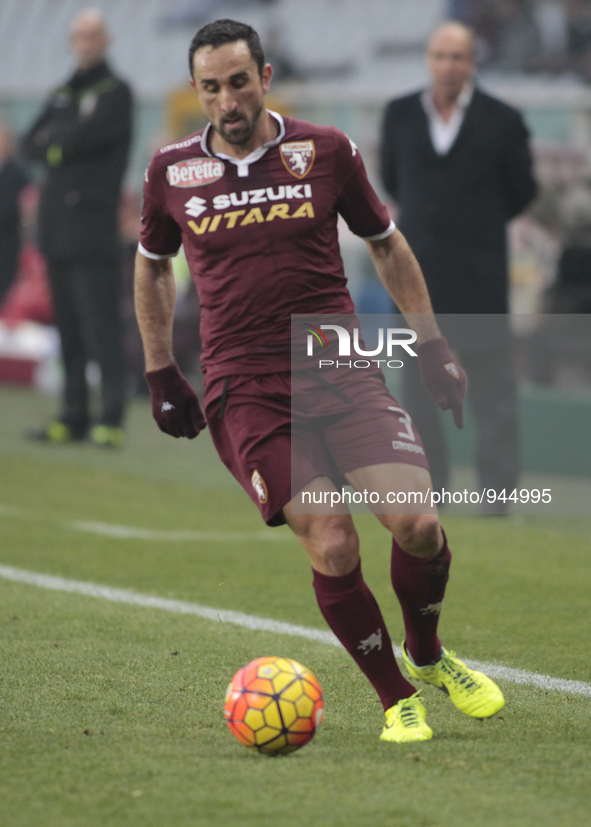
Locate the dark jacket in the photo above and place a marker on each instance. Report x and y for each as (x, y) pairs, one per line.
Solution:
(83, 136)
(454, 208)
(12, 181)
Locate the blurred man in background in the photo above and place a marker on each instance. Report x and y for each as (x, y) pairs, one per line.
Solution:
(12, 182)
(82, 136)
(458, 163)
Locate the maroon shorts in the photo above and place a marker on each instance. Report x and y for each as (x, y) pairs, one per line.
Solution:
(275, 443)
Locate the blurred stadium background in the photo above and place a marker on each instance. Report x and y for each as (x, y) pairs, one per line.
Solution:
(337, 62)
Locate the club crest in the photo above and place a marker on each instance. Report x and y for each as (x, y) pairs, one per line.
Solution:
(298, 157)
(452, 369)
(258, 483)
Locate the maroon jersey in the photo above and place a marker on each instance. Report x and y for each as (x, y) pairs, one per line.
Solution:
(260, 235)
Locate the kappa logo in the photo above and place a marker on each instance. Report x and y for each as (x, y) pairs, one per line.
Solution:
(195, 172)
(258, 483)
(298, 157)
(195, 206)
(167, 406)
(432, 609)
(374, 641)
(452, 369)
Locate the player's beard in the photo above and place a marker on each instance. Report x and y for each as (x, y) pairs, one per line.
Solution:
(241, 136)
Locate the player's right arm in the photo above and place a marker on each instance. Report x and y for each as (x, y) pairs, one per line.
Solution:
(175, 405)
(155, 291)
(155, 295)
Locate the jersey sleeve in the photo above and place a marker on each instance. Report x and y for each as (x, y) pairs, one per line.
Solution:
(160, 235)
(358, 202)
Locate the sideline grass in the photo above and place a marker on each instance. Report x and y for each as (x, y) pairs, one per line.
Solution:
(157, 750)
(512, 597)
(102, 724)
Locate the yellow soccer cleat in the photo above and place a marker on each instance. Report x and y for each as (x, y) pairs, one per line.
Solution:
(405, 722)
(472, 692)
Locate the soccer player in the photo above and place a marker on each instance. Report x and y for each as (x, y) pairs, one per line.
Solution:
(254, 199)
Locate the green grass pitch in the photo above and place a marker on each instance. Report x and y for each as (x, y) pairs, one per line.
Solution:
(112, 715)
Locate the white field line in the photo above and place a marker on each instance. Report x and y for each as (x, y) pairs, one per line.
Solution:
(61, 584)
(11, 511)
(123, 532)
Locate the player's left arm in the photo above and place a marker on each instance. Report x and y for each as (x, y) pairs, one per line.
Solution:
(401, 275)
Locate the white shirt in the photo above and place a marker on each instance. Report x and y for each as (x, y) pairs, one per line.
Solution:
(444, 133)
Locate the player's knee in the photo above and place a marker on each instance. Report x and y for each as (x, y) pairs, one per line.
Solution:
(419, 534)
(337, 549)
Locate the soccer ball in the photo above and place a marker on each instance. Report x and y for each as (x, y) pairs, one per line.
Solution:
(274, 705)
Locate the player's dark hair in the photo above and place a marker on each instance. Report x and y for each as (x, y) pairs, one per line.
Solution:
(221, 32)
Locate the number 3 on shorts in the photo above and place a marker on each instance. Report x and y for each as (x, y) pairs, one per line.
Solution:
(405, 419)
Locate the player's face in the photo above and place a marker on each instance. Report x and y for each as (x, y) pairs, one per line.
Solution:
(450, 61)
(230, 90)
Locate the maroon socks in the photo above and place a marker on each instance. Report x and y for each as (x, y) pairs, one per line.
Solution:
(351, 611)
(419, 583)
(354, 616)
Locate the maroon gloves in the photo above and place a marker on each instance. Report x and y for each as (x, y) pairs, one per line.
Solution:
(175, 406)
(443, 377)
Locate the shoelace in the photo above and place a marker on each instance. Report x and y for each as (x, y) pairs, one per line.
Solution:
(409, 716)
(461, 678)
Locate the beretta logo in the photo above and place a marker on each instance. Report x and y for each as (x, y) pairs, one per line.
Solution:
(195, 172)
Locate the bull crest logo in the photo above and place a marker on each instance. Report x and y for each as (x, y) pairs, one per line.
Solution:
(258, 483)
(432, 609)
(374, 641)
(452, 369)
(298, 157)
